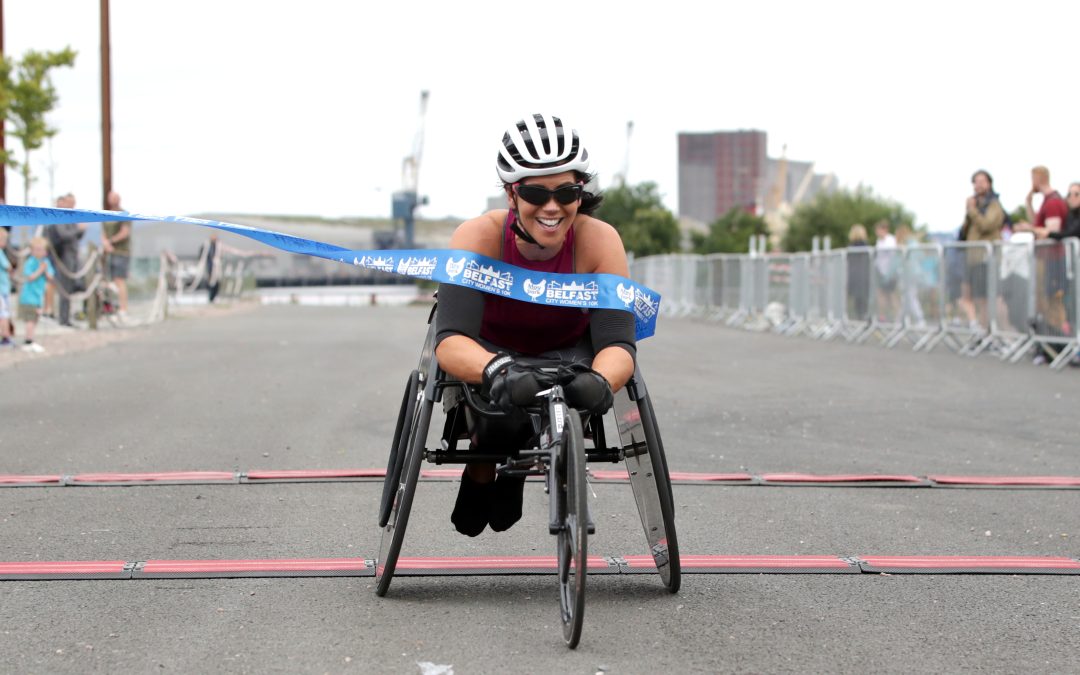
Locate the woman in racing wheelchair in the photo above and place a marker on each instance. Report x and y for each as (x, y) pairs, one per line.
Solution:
(485, 340)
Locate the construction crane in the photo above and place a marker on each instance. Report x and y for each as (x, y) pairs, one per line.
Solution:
(405, 201)
(624, 171)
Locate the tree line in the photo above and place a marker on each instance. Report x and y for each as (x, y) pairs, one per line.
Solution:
(648, 228)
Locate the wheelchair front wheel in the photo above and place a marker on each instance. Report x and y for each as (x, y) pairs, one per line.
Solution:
(573, 512)
(671, 574)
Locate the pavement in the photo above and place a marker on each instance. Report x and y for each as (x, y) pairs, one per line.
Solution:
(293, 387)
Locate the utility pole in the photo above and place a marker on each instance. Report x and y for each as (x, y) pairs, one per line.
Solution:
(106, 107)
(3, 123)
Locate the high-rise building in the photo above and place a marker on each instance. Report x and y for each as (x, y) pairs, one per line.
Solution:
(719, 171)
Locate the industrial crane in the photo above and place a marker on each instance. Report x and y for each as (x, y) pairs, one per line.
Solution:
(407, 199)
(620, 178)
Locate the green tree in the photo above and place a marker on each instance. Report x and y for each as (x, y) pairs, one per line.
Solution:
(638, 213)
(833, 214)
(651, 232)
(730, 233)
(622, 202)
(1019, 214)
(32, 97)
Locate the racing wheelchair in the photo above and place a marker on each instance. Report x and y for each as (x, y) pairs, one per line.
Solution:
(564, 442)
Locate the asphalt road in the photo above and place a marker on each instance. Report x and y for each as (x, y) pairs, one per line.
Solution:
(299, 387)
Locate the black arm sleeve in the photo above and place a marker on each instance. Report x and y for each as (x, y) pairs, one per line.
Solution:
(1069, 228)
(461, 311)
(609, 327)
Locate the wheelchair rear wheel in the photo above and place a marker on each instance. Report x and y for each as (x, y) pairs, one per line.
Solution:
(399, 447)
(404, 489)
(571, 491)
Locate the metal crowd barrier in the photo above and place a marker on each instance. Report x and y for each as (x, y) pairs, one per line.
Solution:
(1009, 299)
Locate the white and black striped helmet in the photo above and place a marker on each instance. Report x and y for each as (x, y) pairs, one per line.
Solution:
(540, 145)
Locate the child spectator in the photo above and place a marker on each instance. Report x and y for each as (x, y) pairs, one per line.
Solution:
(37, 270)
(5, 293)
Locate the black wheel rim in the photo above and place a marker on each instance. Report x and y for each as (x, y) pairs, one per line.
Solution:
(572, 543)
(406, 415)
(393, 534)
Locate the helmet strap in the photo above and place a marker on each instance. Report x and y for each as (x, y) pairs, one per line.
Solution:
(520, 231)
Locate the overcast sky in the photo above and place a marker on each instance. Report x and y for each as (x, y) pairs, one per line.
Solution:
(249, 106)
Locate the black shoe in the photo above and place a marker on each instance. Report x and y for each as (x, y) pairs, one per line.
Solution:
(470, 515)
(506, 499)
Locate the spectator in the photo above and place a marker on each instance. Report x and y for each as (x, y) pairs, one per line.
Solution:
(36, 271)
(1050, 264)
(1051, 213)
(858, 263)
(116, 242)
(957, 292)
(1015, 289)
(213, 251)
(65, 257)
(885, 265)
(912, 266)
(1071, 227)
(9, 249)
(985, 215)
(983, 221)
(5, 293)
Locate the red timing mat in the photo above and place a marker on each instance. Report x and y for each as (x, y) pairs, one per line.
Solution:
(89, 569)
(511, 565)
(747, 564)
(494, 565)
(596, 475)
(1033, 481)
(864, 479)
(14, 480)
(951, 564)
(301, 475)
(172, 478)
(199, 569)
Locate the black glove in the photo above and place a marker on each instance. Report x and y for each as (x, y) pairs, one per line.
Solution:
(510, 384)
(589, 392)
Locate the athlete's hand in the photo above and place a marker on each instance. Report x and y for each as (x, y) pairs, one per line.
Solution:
(589, 392)
(509, 384)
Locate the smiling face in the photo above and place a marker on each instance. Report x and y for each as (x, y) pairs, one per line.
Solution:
(549, 222)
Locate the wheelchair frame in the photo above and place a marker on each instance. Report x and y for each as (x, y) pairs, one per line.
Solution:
(561, 458)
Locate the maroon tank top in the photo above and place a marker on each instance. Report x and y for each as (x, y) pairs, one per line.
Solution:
(526, 327)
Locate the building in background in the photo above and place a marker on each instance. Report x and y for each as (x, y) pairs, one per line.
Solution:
(722, 170)
(790, 183)
(719, 171)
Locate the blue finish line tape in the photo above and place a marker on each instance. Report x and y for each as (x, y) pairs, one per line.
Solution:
(448, 266)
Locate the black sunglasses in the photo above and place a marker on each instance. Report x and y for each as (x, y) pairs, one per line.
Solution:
(538, 196)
